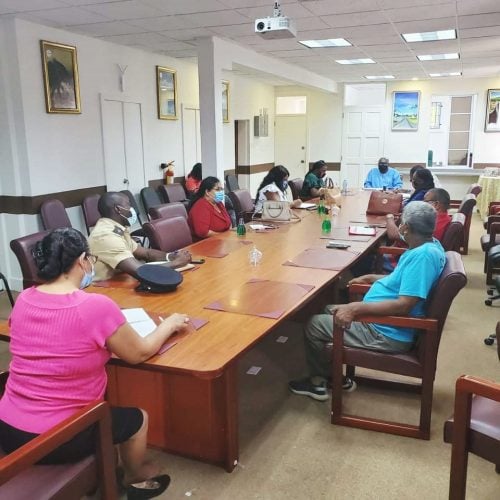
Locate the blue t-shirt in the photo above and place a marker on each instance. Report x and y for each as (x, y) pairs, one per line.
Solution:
(417, 271)
(391, 179)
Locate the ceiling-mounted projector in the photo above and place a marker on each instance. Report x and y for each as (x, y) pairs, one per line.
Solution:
(276, 27)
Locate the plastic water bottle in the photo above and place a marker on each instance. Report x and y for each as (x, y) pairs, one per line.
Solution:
(254, 256)
(241, 230)
(321, 206)
(344, 187)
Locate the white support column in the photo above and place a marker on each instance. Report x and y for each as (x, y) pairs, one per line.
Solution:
(210, 76)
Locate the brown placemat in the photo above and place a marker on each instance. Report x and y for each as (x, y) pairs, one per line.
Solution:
(218, 248)
(323, 258)
(265, 298)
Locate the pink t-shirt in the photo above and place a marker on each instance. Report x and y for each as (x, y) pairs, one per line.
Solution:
(58, 356)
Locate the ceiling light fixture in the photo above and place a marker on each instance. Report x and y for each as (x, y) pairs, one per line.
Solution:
(438, 57)
(329, 42)
(429, 36)
(453, 73)
(380, 77)
(355, 61)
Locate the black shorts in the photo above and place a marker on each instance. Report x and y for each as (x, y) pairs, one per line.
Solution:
(125, 422)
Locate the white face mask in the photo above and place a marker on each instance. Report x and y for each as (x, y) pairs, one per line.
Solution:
(132, 218)
(87, 278)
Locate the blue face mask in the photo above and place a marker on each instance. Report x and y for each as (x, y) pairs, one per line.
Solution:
(219, 196)
(132, 218)
(285, 185)
(87, 279)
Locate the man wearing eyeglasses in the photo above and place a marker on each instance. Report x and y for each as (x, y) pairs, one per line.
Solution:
(115, 249)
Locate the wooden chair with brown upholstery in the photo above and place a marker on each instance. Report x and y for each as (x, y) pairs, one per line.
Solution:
(168, 210)
(296, 187)
(168, 235)
(474, 427)
(454, 234)
(488, 241)
(243, 204)
(90, 213)
(419, 363)
(475, 189)
(232, 183)
(23, 249)
(466, 208)
(54, 214)
(171, 193)
(21, 479)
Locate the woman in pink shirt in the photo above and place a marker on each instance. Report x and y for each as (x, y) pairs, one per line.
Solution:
(61, 339)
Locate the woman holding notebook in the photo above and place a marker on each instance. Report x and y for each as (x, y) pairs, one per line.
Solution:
(61, 339)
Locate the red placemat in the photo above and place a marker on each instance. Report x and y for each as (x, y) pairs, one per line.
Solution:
(193, 325)
(218, 248)
(323, 258)
(265, 298)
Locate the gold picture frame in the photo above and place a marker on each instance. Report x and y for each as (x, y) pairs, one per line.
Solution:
(225, 101)
(166, 91)
(492, 121)
(60, 76)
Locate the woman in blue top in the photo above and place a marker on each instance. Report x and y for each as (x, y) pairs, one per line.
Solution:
(421, 181)
(401, 293)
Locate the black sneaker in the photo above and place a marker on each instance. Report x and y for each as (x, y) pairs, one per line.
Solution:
(348, 384)
(305, 387)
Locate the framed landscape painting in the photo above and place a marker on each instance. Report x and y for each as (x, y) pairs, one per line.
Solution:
(225, 101)
(405, 110)
(166, 89)
(60, 75)
(492, 123)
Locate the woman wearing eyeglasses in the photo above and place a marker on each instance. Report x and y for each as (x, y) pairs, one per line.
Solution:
(207, 213)
(61, 339)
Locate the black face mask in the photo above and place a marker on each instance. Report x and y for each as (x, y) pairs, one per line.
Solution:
(383, 168)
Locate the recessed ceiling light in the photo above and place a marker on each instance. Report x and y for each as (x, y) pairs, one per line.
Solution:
(330, 42)
(453, 73)
(355, 61)
(430, 36)
(414, 78)
(380, 77)
(438, 57)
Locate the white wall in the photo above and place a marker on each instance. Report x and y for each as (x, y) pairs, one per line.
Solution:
(403, 147)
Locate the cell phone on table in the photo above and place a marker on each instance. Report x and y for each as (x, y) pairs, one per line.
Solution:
(332, 244)
(197, 261)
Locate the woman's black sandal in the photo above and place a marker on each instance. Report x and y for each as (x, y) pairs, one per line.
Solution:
(136, 493)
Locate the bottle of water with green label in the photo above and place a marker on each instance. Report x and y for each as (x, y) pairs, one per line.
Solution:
(241, 230)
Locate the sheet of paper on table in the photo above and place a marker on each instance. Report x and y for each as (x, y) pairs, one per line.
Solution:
(139, 320)
(306, 206)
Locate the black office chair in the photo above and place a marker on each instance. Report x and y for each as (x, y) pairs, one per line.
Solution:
(232, 182)
(494, 262)
(150, 198)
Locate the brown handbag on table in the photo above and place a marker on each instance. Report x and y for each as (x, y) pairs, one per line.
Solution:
(383, 203)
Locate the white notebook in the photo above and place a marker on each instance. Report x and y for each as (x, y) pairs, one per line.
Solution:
(139, 320)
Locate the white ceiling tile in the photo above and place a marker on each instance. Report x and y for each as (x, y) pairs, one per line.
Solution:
(13, 6)
(310, 23)
(172, 7)
(182, 54)
(465, 33)
(295, 11)
(325, 7)
(188, 34)
(121, 11)
(209, 19)
(396, 4)
(357, 19)
(104, 29)
(479, 20)
(238, 4)
(86, 2)
(245, 29)
(484, 45)
(161, 23)
(437, 47)
(420, 26)
(422, 12)
(69, 16)
(467, 7)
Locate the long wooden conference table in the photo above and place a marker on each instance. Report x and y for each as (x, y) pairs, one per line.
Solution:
(191, 390)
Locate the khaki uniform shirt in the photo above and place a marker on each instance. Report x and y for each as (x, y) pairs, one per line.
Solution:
(111, 243)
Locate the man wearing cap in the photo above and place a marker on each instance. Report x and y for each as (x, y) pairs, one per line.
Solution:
(115, 249)
(313, 181)
(383, 176)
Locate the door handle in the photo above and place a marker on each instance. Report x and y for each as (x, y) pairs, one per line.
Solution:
(125, 181)
(301, 161)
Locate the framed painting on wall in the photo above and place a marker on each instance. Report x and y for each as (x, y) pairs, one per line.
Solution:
(225, 101)
(405, 110)
(60, 75)
(166, 89)
(492, 123)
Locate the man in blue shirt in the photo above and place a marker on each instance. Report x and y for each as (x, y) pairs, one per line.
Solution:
(402, 293)
(383, 176)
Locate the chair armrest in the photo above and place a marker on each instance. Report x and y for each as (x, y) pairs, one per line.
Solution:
(385, 250)
(467, 384)
(36, 449)
(428, 324)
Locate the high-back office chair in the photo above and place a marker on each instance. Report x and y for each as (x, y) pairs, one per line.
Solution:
(488, 241)
(90, 212)
(3, 279)
(474, 427)
(232, 183)
(21, 479)
(150, 198)
(466, 208)
(23, 249)
(419, 363)
(493, 266)
(454, 234)
(173, 193)
(168, 210)
(54, 214)
(168, 235)
(243, 204)
(296, 187)
(474, 189)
